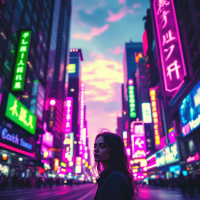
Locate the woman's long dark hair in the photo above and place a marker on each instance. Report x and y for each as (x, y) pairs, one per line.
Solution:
(118, 160)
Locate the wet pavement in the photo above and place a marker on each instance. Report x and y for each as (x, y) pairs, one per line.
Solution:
(86, 192)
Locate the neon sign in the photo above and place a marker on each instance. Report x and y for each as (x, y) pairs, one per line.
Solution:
(20, 65)
(71, 68)
(131, 95)
(167, 155)
(152, 93)
(47, 139)
(138, 146)
(63, 164)
(193, 158)
(151, 161)
(146, 113)
(19, 114)
(137, 57)
(145, 42)
(189, 111)
(68, 123)
(170, 48)
(82, 118)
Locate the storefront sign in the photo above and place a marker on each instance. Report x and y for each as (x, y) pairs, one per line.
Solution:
(189, 110)
(170, 48)
(47, 139)
(19, 114)
(167, 155)
(21, 62)
(175, 168)
(152, 93)
(193, 158)
(131, 97)
(151, 161)
(14, 140)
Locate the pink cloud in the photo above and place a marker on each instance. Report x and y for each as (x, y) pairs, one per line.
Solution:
(122, 1)
(92, 55)
(136, 5)
(116, 17)
(116, 51)
(94, 32)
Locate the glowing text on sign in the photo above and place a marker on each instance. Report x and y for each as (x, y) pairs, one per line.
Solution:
(152, 93)
(82, 120)
(170, 48)
(68, 120)
(20, 65)
(131, 95)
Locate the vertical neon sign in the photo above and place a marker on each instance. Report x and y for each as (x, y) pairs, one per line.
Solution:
(20, 64)
(170, 48)
(152, 93)
(82, 120)
(145, 42)
(68, 120)
(131, 96)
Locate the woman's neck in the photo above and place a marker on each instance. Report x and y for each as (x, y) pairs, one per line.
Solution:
(105, 165)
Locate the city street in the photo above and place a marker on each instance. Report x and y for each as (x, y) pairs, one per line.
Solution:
(86, 192)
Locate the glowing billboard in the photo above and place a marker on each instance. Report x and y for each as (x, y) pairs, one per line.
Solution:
(71, 68)
(131, 97)
(21, 61)
(20, 115)
(138, 146)
(169, 42)
(145, 42)
(82, 118)
(189, 110)
(146, 113)
(152, 93)
(68, 119)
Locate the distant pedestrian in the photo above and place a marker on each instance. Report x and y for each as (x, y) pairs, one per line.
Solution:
(115, 179)
(182, 183)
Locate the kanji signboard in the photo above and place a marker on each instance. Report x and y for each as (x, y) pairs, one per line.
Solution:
(21, 60)
(170, 48)
(131, 96)
(68, 119)
(19, 114)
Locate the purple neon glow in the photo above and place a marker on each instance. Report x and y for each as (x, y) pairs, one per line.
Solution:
(193, 158)
(173, 64)
(52, 102)
(82, 119)
(68, 120)
(151, 162)
(130, 82)
(16, 150)
(44, 148)
(47, 139)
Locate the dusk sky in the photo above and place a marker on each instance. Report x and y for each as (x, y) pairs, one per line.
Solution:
(101, 28)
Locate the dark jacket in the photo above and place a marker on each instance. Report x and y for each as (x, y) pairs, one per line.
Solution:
(113, 186)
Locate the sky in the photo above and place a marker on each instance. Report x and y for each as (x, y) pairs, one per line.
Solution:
(101, 28)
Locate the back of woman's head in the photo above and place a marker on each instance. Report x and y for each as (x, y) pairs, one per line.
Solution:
(118, 157)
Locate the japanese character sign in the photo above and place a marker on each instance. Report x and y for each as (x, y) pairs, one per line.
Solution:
(19, 114)
(68, 118)
(20, 64)
(138, 146)
(171, 54)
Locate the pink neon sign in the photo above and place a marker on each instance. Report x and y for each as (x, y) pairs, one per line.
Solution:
(193, 158)
(138, 146)
(145, 42)
(82, 119)
(47, 139)
(17, 150)
(172, 60)
(68, 120)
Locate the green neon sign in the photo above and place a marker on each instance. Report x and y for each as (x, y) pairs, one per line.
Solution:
(19, 114)
(131, 95)
(71, 68)
(63, 164)
(20, 64)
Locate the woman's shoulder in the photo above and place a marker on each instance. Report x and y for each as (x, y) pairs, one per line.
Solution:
(116, 176)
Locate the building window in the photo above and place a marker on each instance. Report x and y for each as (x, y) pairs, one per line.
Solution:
(35, 17)
(27, 18)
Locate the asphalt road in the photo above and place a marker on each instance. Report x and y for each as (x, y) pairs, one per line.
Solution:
(86, 192)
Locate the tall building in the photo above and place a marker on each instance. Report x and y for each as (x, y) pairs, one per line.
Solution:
(76, 91)
(25, 28)
(132, 54)
(119, 130)
(57, 73)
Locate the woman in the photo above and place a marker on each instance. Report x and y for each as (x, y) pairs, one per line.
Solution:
(115, 181)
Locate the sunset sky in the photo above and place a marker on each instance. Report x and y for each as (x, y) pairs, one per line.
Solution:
(101, 28)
